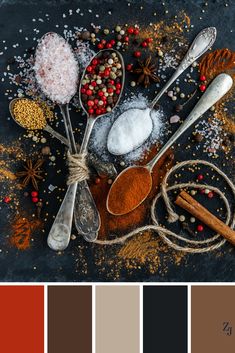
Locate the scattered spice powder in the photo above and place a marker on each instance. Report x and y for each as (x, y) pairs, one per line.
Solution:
(22, 229)
(145, 250)
(220, 60)
(211, 65)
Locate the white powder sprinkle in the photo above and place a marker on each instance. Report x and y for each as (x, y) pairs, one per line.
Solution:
(98, 142)
(56, 68)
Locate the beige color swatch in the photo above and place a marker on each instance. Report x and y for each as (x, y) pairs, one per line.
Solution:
(213, 319)
(117, 319)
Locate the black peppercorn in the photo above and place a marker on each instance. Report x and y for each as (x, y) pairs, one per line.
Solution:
(85, 35)
(198, 137)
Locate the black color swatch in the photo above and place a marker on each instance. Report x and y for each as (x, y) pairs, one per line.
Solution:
(165, 319)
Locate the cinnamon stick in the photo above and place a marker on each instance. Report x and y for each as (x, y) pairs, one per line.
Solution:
(189, 204)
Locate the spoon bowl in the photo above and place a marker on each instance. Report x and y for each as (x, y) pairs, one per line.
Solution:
(11, 109)
(139, 182)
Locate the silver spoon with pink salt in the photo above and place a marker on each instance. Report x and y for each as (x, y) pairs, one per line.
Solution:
(57, 75)
(134, 125)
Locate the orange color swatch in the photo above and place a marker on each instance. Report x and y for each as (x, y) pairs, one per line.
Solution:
(22, 319)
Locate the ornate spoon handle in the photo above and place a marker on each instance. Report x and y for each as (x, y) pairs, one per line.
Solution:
(217, 89)
(203, 41)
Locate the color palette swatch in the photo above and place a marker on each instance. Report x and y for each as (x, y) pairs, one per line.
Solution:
(70, 319)
(22, 319)
(213, 319)
(117, 318)
(165, 319)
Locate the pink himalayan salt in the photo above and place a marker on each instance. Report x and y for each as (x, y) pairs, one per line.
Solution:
(56, 68)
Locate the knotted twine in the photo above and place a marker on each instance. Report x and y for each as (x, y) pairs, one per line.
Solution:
(78, 170)
(171, 238)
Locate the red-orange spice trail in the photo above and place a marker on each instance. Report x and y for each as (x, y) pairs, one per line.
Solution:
(22, 230)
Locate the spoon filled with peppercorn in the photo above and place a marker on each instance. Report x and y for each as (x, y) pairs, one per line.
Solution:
(100, 90)
(133, 184)
(135, 125)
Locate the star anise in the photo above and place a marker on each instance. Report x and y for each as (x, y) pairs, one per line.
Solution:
(31, 173)
(147, 72)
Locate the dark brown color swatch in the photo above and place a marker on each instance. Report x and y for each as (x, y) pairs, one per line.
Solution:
(70, 319)
(213, 319)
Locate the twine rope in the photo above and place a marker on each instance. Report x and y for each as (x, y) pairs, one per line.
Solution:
(78, 170)
(171, 238)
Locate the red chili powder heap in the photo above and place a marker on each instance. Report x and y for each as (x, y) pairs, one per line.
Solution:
(119, 225)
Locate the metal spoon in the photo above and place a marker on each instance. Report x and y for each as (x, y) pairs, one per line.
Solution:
(46, 127)
(216, 90)
(59, 235)
(82, 212)
(203, 41)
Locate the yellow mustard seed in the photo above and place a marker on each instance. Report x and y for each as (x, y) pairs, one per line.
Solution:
(29, 114)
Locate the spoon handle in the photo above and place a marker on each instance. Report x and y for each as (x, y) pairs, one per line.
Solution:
(217, 89)
(86, 216)
(56, 134)
(59, 235)
(203, 41)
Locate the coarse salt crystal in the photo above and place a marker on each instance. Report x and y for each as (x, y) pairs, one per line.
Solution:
(56, 68)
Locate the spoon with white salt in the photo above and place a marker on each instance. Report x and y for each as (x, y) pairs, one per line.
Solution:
(57, 72)
(133, 127)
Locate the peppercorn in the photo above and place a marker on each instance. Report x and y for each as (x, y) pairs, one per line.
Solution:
(137, 54)
(200, 228)
(178, 108)
(34, 193)
(85, 35)
(202, 88)
(198, 137)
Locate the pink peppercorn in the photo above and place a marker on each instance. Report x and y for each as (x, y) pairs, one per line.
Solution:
(200, 177)
(200, 228)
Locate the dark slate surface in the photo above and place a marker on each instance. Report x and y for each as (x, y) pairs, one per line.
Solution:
(39, 263)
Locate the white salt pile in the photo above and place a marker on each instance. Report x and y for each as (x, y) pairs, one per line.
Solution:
(130, 130)
(56, 68)
(98, 141)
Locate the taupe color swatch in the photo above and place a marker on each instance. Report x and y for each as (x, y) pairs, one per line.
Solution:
(117, 319)
(213, 319)
(69, 319)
